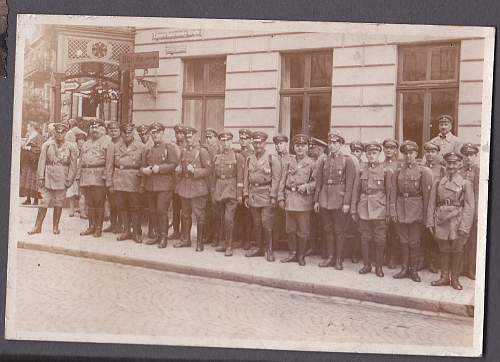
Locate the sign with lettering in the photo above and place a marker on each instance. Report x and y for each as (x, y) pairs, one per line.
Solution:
(175, 49)
(176, 34)
(144, 60)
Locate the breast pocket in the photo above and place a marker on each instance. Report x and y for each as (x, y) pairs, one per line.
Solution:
(378, 182)
(414, 183)
(364, 182)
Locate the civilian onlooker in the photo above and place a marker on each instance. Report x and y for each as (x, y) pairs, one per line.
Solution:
(30, 152)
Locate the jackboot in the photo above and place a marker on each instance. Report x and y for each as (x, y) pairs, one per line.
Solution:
(340, 246)
(40, 216)
(229, 241)
(455, 270)
(414, 265)
(156, 235)
(330, 250)
(99, 218)
(268, 235)
(292, 249)
(151, 227)
(301, 251)
(259, 250)
(365, 254)
(200, 235)
(445, 271)
(161, 229)
(113, 222)
(405, 271)
(126, 234)
(91, 216)
(222, 239)
(379, 260)
(185, 238)
(136, 226)
(56, 217)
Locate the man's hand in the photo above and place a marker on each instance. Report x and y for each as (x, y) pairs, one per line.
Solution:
(273, 201)
(178, 169)
(155, 169)
(146, 170)
(302, 189)
(245, 202)
(40, 183)
(432, 230)
(355, 217)
(462, 234)
(281, 204)
(316, 207)
(190, 168)
(345, 209)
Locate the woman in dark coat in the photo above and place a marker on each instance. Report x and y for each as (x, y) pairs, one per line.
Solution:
(30, 152)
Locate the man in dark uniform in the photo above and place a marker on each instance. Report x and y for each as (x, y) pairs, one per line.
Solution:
(161, 159)
(413, 183)
(470, 171)
(357, 148)
(55, 174)
(123, 177)
(193, 188)
(144, 135)
(211, 226)
(243, 218)
(390, 147)
(282, 150)
(260, 192)
(115, 226)
(180, 141)
(334, 183)
(434, 163)
(296, 197)
(227, 190)
(91, 176)
(449, 219)
(371, 198)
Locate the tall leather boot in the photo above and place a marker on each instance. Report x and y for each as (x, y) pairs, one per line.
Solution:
(91, 216)
(126, 234)
(259, 251)
(185, 241)
(229, 241)
(379, 260)
(365, 253)
(405, 271)
(151, 225)
(268, 235)
(340, 239)
(162, 230)
(301, 251)
(113, 216)
(136, 226)
(40, 216)
(292, 249)
(445, 271)
(200, 235)
(415, 259)
(155, 224)
(221, 245)
(455, 270)
(99, 219)
(330, 247)
(56, 217)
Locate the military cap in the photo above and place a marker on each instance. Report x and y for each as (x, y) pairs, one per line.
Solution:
(142, 129)
(390, 142)
(280, 138)
(80, 136)
(61, 127)
(189, 130)
(469, 149)
(210, 132)
(336, 135)
(373, 146)
(225, 136)
(259, 136)
(445, 118)
(452, 157)
(96, 123)
(301, 139)
(113, 124)
(178, 128)
(127, 127)
(428, 146)
(407, 146)
(245, 133)
(356, 145)
(154, 127)
(313, 141)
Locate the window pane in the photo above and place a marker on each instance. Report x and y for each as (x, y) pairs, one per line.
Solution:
(319, 115)
(443, 63)
(216, 75)
(291, 115)
(193, 77)
(215, 113)
(442, 102)
(413, 116)
(414, 64)
(192, 112)
(321, 70)
(293, 72)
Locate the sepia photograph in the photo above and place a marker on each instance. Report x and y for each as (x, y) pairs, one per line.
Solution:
(260, 184)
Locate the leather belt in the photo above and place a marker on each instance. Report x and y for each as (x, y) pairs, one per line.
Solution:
(409, 194)
(448, 202)
(93, 166)
(371, 192)
(225, 177)
(122, 167)
(292, 188)
(260, 184)
(332, 182)
(56, 164)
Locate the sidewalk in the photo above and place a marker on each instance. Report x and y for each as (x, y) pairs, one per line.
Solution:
(311, 279)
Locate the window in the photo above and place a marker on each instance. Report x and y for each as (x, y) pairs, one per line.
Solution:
(427, 88)
(203, 95)
(306, 93)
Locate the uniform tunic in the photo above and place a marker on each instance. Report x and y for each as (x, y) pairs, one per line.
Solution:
(164, 155)
(228, 176)
(57, 165)
(92, 166)
(448, 143)
(296, 173)
(261, 181)
(123, 166)
(195, 184)
(471, 173)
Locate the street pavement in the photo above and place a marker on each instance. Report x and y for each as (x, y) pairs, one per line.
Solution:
(64, 294)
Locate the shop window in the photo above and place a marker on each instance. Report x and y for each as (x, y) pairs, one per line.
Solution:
(203, 93)
(306, 92)
(427, 88)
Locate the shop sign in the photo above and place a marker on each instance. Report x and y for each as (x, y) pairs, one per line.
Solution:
(176, 34)
(144, 60)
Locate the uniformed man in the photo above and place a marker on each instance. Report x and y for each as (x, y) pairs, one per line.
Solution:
(193, 188)
(161, 159)
(55, 174)
(449, 219)
(227, 190)
(243, 218)
(413, 183)
(335, 178)
(390, 147)
(145, 137)
(357, 148)
(372, 195)
(180, 142)
(91, 175)
(470, 171)
(296, 197)
(446, 140)
(115, 226)
(124, 178)
(211, 226)
(260, 192)
(282, 151)
(434, 163)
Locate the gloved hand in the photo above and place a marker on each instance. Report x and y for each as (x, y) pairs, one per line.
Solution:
(155, 169)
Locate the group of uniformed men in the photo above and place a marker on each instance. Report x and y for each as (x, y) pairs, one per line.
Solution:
(399, 211)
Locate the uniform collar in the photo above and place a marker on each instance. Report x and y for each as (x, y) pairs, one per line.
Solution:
(336, 154)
